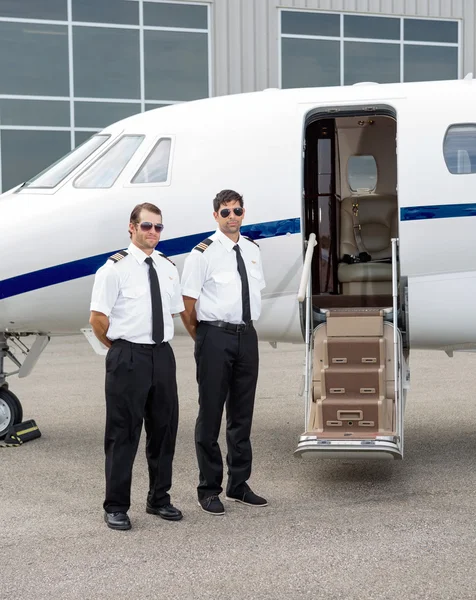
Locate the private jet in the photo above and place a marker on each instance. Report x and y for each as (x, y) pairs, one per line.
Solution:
(360, 197)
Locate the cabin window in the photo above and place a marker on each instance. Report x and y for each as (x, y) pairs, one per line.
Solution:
(104, 172)
(362, 173)
(459, 149)
(52, 176)
(464, 162)
(156, 166)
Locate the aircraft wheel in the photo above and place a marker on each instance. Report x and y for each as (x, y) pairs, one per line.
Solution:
(11, 411)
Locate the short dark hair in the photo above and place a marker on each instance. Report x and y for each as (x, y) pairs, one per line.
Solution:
(136, 211)
(135, 214)
(226, 196)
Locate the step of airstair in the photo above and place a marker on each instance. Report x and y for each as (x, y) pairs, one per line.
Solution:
(352, 395)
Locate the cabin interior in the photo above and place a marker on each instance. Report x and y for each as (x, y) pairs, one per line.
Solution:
(350, 181)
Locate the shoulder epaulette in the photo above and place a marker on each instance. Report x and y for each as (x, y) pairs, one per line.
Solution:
(118, 256)
(250, 240)
(166, 258)
(202, 246)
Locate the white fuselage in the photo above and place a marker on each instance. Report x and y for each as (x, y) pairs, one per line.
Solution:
(252, 143)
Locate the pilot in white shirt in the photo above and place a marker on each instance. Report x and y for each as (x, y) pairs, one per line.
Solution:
(122, 292)
(134, 297)
(222, 281)
(213, 279)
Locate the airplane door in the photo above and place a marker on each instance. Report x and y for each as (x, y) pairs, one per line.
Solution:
(437, 213)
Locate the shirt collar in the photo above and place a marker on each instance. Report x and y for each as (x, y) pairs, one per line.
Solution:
(225, 240)
(138, 254)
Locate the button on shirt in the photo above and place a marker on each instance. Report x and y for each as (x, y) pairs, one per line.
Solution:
(122, 292)
(212, 278)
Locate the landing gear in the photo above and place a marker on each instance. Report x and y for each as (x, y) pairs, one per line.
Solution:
(11, 411)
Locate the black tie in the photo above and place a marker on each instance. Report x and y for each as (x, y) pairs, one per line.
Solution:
(245, 290)
(157, 312)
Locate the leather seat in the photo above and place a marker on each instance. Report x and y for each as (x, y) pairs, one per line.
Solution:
(378, 219)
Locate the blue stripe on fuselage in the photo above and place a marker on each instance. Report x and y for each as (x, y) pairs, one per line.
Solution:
(174, 247)
(437, 211)
(88, 266)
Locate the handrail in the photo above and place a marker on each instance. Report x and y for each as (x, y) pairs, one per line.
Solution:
(306, 269)
(396, 354)
(305, 293)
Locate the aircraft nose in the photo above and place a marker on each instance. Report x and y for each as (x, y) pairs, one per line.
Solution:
(26, 247)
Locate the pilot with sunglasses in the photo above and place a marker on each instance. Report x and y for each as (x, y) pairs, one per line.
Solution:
(222, 281)
(134, 297)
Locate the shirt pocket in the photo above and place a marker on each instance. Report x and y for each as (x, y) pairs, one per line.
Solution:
(226, 285)
(224, 278)
(255, 279)
(167, 286)
(134, 292)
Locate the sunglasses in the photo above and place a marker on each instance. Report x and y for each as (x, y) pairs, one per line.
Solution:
(147, 226)
(225, 212)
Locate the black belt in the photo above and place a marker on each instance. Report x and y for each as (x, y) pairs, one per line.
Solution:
(237, 328)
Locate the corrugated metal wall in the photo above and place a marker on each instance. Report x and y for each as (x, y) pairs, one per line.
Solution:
(245, 34)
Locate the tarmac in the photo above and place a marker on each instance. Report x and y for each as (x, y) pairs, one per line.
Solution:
(334, 530)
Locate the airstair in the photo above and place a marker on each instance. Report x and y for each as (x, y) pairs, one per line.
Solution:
(354, 375)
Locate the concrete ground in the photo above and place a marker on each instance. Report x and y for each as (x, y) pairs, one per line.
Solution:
(332, 530)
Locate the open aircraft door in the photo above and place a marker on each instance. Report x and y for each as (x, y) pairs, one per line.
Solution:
(355, 368)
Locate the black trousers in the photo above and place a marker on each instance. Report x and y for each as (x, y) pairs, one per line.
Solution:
(227, 371)
(141, 386)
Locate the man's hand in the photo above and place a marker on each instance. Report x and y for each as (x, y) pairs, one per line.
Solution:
(100, 324)
(189, 316)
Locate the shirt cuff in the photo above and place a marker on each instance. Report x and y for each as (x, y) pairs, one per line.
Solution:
(100, 308)
(190, 293)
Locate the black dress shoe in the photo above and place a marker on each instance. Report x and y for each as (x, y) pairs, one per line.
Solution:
(212, 505)
(117, 520)
(167, 512)
(248, 497)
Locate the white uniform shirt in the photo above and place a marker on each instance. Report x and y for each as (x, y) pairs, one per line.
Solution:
(122, 292)
(212, 277)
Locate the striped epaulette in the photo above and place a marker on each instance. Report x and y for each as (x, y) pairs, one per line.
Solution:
(250, 240)
(202, 246)
(118, 256)
(166, 258)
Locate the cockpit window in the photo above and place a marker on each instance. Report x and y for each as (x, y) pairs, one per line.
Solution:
(362, 173)
(459, 149)
(53, 175)
(105, 171)
(156, 166)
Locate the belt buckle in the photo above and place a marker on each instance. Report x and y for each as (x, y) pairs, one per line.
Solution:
(241, 327)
